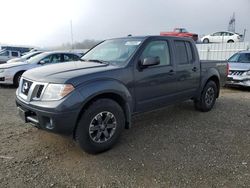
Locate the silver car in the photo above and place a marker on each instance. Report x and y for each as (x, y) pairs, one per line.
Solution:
(10, 73)
(24, 57)
(239, 69)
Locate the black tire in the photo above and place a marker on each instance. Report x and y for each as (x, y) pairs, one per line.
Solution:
(230, 41)
(94, 114)
(207, 98)
(17, 78)
(205, 40)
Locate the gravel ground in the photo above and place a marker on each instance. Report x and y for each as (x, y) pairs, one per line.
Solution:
(173, 147)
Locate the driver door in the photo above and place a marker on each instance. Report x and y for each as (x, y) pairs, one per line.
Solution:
(155, 85)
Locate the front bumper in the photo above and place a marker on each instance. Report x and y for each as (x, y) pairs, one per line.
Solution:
(50, 120)
(6, 79)
(238, 81)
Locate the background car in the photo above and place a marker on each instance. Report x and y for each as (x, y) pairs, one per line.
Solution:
(222, 36)
(239, 69)
(24, 57)
(10, 73)
(6, 55)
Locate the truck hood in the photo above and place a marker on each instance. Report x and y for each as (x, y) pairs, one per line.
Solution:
(65, 72)
(11, 65)
(239, 66)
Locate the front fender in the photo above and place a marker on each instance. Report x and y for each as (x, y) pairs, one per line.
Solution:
(89, 91)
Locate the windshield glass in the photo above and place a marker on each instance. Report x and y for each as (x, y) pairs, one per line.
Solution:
(29, 55)
(114, 51)
(240, 58)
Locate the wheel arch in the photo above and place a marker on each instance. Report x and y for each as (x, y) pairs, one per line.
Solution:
(120, 95)
(212, 75)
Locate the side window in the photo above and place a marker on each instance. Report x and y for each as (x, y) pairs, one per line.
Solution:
(5, 53)
(56, 58)
(70, 57)
(217, 34)
(157, 49)
(14, 54)
(182, 56)
(47, 59)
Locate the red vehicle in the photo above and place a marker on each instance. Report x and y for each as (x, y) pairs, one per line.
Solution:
(180, 32)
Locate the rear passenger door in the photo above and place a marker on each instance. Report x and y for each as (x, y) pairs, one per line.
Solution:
(187, 69)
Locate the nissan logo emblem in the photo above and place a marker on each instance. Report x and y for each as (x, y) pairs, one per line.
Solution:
(25, 87)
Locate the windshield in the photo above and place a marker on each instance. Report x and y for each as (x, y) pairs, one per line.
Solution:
(240, 58)
(114, 51)
(29, 55)
(37, 58)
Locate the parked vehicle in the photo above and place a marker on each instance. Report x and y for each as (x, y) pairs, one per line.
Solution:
(24, 57)
(223, 36)
(180, 32)
(10, 73)
(21, 49)
(94, 99)
(6, 55)
(239, 69)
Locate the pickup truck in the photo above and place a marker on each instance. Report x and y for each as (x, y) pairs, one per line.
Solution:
(93, 100)
(180, 32)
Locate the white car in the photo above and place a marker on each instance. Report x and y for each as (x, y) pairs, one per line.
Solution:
(24, 57)
(222, 36)
(10, 73)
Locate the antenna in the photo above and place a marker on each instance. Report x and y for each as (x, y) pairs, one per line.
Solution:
(231, 24)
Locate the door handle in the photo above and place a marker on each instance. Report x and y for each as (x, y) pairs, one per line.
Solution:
(194, 69)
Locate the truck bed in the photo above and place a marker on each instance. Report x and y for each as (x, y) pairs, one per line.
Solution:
(221, 66)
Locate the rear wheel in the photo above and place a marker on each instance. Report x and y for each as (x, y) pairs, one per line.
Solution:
(207, 98)
(17, 78)
(100, 126)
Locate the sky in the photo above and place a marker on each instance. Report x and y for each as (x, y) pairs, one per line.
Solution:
(46, 23)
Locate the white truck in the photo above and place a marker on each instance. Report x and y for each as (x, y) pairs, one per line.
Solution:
(6, 55)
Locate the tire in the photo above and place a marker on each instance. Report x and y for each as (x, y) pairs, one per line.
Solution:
(230, 41)
(17, 78)
(205, 40)
(92, 133)
(207, 98)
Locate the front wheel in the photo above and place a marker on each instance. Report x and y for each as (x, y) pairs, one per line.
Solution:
(100, 126)
(207, 98)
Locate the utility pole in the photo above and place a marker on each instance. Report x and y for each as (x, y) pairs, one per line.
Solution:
(72, 37)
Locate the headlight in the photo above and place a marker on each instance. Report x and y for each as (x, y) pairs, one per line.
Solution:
(54, 92)
(1, 70)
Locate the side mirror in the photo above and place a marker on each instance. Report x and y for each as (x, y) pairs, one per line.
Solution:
(42, 62)
(150, 61)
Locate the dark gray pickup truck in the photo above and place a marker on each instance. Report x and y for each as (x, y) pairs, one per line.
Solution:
(95, 98)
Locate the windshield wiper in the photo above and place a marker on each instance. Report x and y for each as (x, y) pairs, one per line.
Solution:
(98, 61)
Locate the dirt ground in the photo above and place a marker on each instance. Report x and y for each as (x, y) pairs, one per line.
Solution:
(173, 147)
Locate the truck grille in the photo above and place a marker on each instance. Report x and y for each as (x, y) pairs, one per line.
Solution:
(31, 91)
(236, 73)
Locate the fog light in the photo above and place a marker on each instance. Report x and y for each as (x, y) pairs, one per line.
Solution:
(50, 124)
